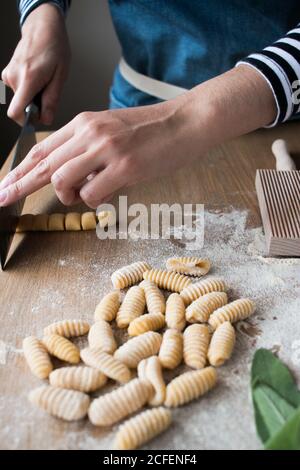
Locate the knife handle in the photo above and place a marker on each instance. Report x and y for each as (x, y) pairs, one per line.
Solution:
(34, 108)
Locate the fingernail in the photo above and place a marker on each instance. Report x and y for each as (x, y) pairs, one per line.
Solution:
(3, 196)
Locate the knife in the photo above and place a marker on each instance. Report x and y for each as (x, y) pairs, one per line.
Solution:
(9, 215)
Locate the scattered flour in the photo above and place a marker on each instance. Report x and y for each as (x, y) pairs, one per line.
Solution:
(224, 418)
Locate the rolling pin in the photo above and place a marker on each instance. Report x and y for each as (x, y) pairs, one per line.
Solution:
(284, 161)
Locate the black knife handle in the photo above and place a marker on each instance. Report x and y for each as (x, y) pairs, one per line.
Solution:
(34, 108)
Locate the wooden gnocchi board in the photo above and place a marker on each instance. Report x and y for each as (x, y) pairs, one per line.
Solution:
(54, 276)
(278, 195)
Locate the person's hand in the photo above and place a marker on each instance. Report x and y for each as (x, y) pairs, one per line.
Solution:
(40, 62)
(98, 153)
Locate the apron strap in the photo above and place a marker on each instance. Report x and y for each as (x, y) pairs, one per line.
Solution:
(151, 86)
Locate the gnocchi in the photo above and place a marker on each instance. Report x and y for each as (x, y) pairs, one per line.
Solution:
(189, 386)
(107, 364)
(237, 310)
(142, 428)
(222, 344)
(108, 308)
(129, 275)
(132, 307)
(196, 340)
(37, 357)
(101, 336)
(69, 405)
(191, 266)
(175, 312)
(81, 378)
(150, 369)
(168, 280)
(201, 309)
(155, 299)
(116, 405)
(138, 348)
(148, 322)
(68, 328)
(62, 348)
(194, 291)
(171, 350)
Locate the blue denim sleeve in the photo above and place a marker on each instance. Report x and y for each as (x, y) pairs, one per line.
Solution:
(27, 6)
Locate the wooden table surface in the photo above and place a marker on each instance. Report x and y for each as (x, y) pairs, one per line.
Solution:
(63, 275)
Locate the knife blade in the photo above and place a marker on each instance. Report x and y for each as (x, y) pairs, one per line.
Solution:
(9, 215)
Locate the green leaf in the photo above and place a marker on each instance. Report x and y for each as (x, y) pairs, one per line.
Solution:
(274, 393)
(288, 437)
(273, 409)
(267, 369)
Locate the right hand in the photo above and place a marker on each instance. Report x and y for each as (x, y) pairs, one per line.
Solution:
(40, 62)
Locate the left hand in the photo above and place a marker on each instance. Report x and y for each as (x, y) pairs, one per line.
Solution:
(98, 153)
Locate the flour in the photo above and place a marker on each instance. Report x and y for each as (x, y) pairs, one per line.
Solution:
(223, 419)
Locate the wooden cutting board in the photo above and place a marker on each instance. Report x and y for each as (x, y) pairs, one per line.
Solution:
(63, 275)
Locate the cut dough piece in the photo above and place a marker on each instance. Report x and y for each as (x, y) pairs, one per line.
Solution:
(40, 223)
(73, 221)
(25, 223)
(88, 221)
(56, 222)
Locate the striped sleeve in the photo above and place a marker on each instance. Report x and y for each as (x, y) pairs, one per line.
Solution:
(279, 64)
(27, 6)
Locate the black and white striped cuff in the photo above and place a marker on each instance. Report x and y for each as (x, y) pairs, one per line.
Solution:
(27, 6)
(279, 64)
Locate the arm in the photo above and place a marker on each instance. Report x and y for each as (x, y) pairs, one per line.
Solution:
(121, 147)
(40, 61)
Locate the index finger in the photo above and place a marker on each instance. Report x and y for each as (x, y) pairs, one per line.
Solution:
(38, 153)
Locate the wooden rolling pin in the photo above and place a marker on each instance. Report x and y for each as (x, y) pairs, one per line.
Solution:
(284, 161)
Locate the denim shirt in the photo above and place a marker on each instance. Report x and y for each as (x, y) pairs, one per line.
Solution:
(186, 42)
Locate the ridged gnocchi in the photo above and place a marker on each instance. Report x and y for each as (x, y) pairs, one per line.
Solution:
(168, 280)
(237, 310)
(132, 307)
(189, 386)
(194, 291)
(147, 322)
(175, 312)
(129, 275)
(108, 307)
(142, 428)
(116, 405)
(191, 265)
(67, 328)
(138, 348)
(201, 309)
(155, 299)
(171, 350)
(37, 357)
(150, 369)
(69, 405)
(101, 336)
(196, 340)
(222, 344)
(62, 348)
(81, 378)
(107, 364)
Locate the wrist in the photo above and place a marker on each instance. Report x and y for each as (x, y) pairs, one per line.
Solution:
(46, 14)
(232, 104)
